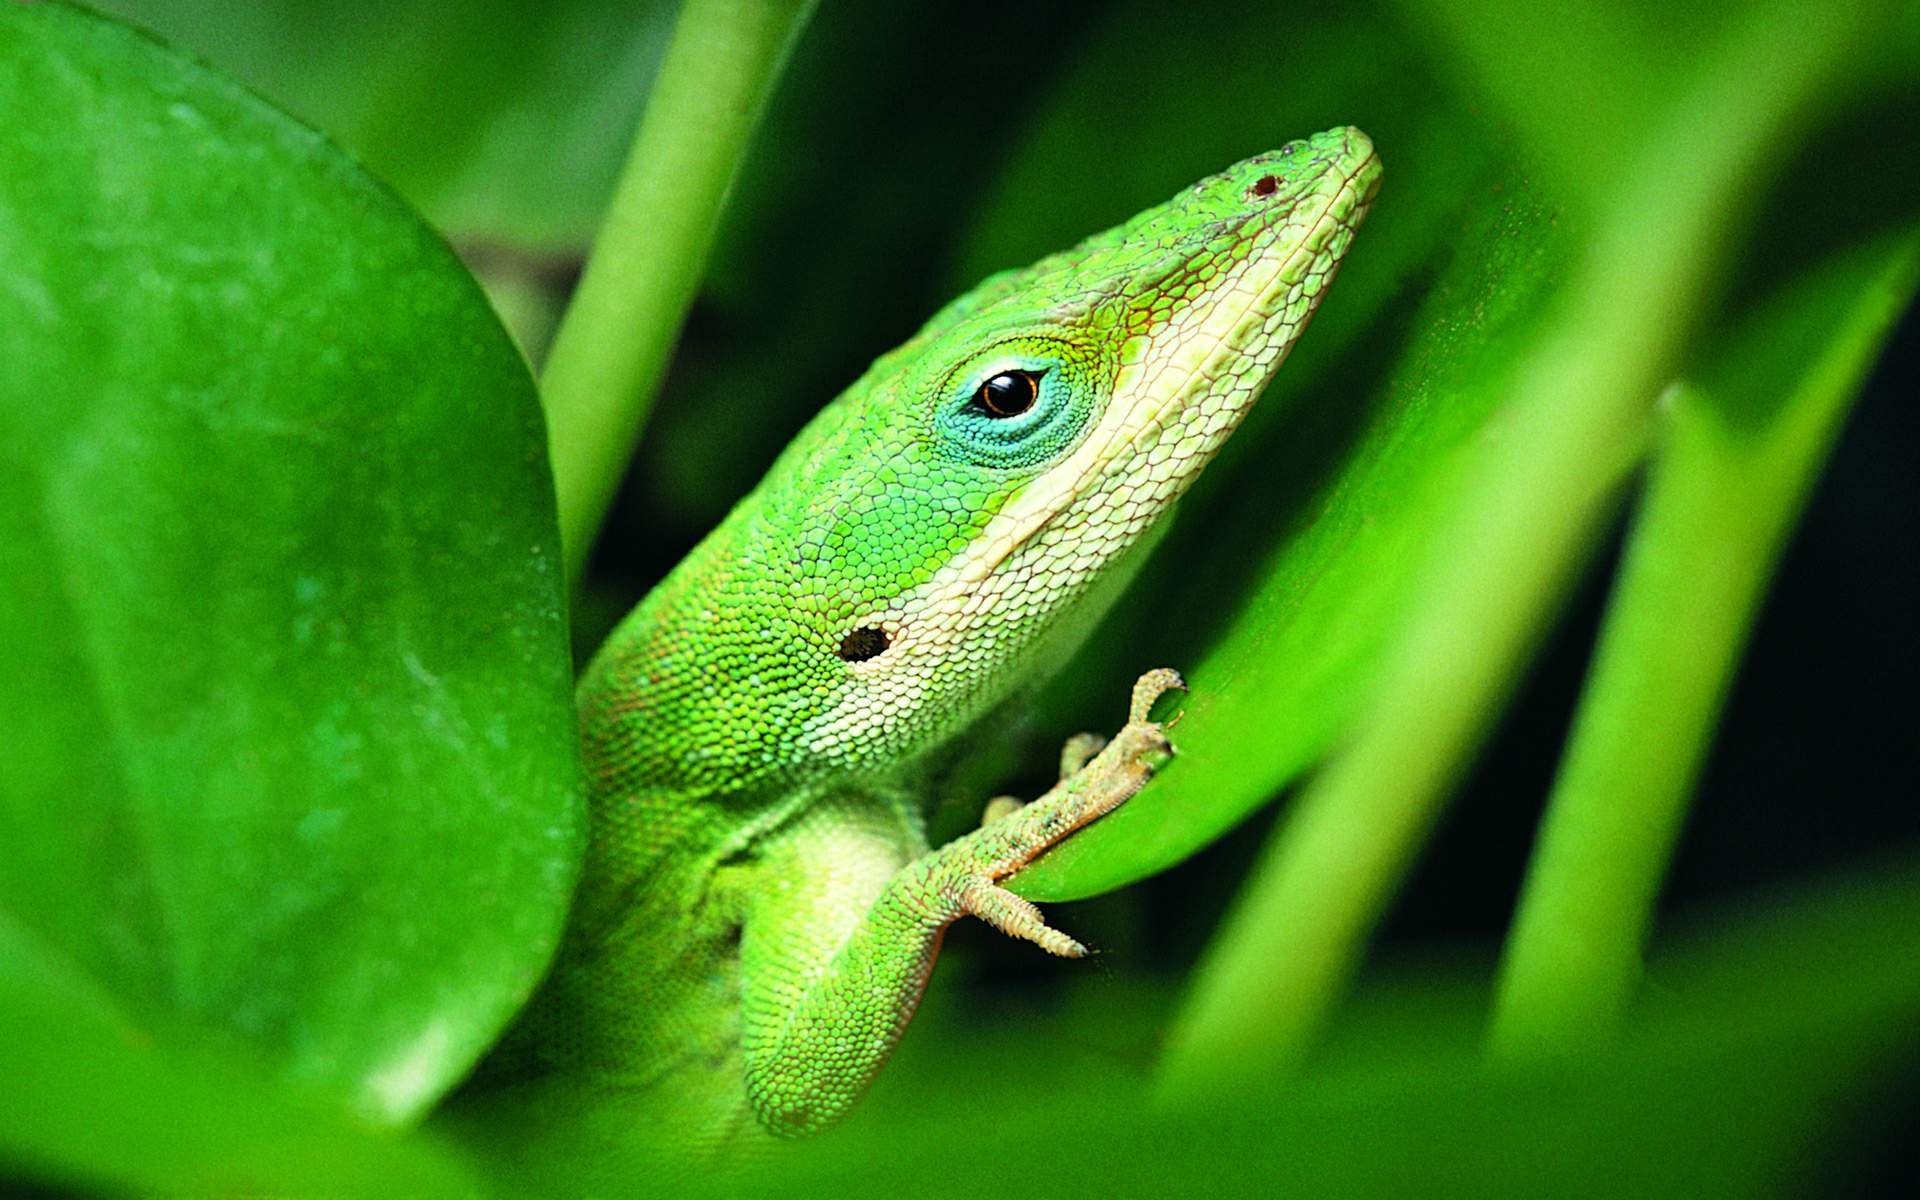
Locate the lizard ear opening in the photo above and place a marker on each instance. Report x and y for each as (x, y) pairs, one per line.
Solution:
(868, 641)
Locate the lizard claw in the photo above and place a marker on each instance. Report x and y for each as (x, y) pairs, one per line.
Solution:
(1148, 689)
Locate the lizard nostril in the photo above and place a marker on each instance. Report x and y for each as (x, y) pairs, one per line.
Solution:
(1264, 186)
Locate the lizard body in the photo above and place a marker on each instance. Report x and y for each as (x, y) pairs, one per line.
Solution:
(759, 908)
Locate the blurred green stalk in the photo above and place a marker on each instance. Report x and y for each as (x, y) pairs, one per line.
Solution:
(1739, 454)
(619, 330)
(1526, 517)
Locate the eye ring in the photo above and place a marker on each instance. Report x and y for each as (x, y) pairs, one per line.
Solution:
(1007, 393)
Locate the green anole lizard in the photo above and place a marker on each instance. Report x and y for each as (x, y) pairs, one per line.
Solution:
(759, 909)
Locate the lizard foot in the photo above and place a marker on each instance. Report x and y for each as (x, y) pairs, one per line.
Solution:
(1012, 835)
(1082, 748)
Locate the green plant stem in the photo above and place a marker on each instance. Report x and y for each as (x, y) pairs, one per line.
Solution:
(1526, 517)
(1724, 494)
(618, 333)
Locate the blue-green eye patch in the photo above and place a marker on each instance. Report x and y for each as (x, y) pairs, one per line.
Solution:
(1017, 407)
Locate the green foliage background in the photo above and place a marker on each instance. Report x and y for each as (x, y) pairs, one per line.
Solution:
(290, 807)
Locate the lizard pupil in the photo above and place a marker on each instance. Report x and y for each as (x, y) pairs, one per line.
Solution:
(864, 643)
(1008, 394)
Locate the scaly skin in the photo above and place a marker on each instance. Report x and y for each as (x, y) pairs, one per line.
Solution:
(759, 909)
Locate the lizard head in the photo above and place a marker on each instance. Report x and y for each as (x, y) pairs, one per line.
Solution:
(1036, 429)
(964, 502)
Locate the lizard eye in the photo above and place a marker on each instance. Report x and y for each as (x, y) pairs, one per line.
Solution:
(1015, 407)
(1007, 394)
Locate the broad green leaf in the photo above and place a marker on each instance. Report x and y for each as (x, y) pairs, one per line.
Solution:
(1531, 506)
(1293, 575)
(97, 1099)
(1289, 563)
(291, 753)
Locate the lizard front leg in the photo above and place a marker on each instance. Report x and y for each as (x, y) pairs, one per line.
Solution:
(835, 953)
